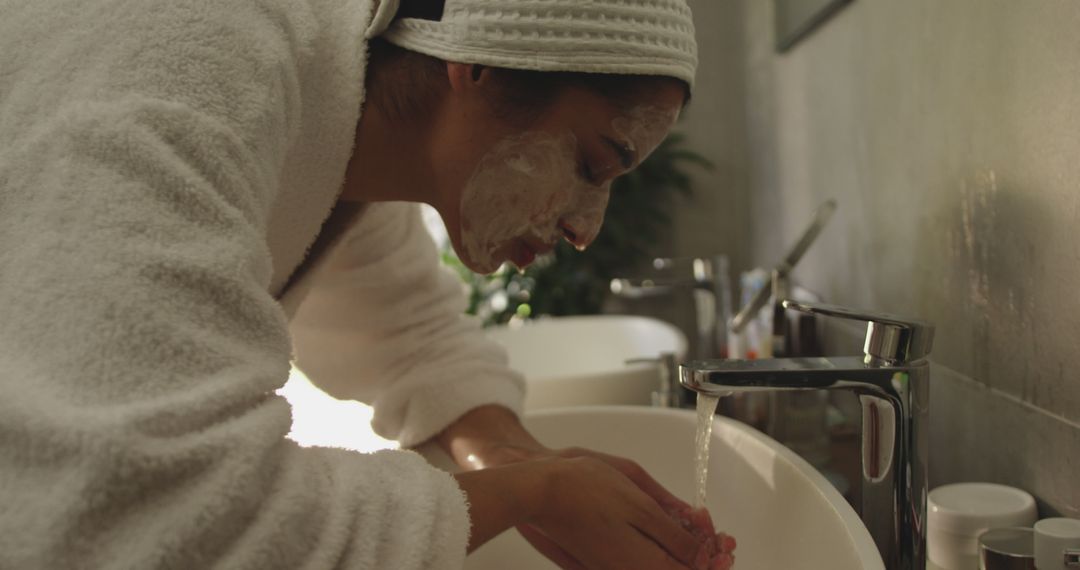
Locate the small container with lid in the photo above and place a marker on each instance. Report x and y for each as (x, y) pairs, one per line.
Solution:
(1007, 549)
(1057, 544)
(959, 513)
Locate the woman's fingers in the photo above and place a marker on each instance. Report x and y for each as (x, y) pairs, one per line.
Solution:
(665, 531)
(635, 473)
(726, 541)
(589, 513)
(723, 561)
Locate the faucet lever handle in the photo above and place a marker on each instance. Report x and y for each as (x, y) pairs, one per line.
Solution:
(889, 338)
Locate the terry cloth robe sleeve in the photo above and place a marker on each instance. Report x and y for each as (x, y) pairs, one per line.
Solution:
(383, 322)
(139, 346)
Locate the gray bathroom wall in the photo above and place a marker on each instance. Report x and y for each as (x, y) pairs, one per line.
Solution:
(714, 220)
(949, 133)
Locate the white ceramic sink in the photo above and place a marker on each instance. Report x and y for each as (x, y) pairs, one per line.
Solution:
(783, 513)
(576, 361)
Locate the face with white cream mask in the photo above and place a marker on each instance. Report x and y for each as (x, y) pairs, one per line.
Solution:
(531, 186)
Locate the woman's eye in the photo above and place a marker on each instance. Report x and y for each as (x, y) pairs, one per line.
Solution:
(587, 172)
(624, 152)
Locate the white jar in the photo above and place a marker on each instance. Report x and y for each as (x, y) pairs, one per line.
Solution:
(1053, 538)
(957, 514)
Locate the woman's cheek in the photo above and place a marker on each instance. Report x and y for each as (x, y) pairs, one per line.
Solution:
(521, 187)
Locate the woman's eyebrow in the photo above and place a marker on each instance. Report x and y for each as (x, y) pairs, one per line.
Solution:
(627, 156)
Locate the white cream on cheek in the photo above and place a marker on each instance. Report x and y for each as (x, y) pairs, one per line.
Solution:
(522, 186)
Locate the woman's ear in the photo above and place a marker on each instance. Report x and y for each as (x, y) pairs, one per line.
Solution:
(465, 77)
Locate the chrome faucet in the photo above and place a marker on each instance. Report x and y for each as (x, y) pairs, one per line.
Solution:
(892, 384)
(709, 282)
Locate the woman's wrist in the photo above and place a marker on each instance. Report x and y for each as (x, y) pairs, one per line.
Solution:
(503, 497)
(489, 436)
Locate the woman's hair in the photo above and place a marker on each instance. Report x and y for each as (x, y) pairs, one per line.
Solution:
(408, 85)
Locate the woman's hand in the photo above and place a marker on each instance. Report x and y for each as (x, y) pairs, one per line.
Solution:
(493, 437)
(580, 511)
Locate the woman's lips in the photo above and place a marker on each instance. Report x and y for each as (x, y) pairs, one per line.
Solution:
(525, 252)
(522, 254)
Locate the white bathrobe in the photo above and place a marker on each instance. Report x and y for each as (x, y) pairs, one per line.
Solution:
(164, 167)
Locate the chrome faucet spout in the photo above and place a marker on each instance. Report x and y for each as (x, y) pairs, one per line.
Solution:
(892, 384)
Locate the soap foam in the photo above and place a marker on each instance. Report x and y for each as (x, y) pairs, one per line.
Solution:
(644, 127)
(522, 187)
(528, 185)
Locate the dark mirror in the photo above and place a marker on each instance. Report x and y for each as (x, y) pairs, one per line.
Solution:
(796, 19)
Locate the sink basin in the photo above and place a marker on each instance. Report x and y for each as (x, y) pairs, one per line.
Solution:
(577, 361)
(783, 513)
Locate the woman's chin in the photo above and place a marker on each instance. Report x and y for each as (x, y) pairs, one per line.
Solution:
(516, 253)
(484, 267)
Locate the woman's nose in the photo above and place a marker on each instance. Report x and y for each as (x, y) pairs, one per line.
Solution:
(582, 226)
(573, 235)
(603, 177)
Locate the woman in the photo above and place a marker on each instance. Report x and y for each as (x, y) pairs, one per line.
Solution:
(191, 190)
